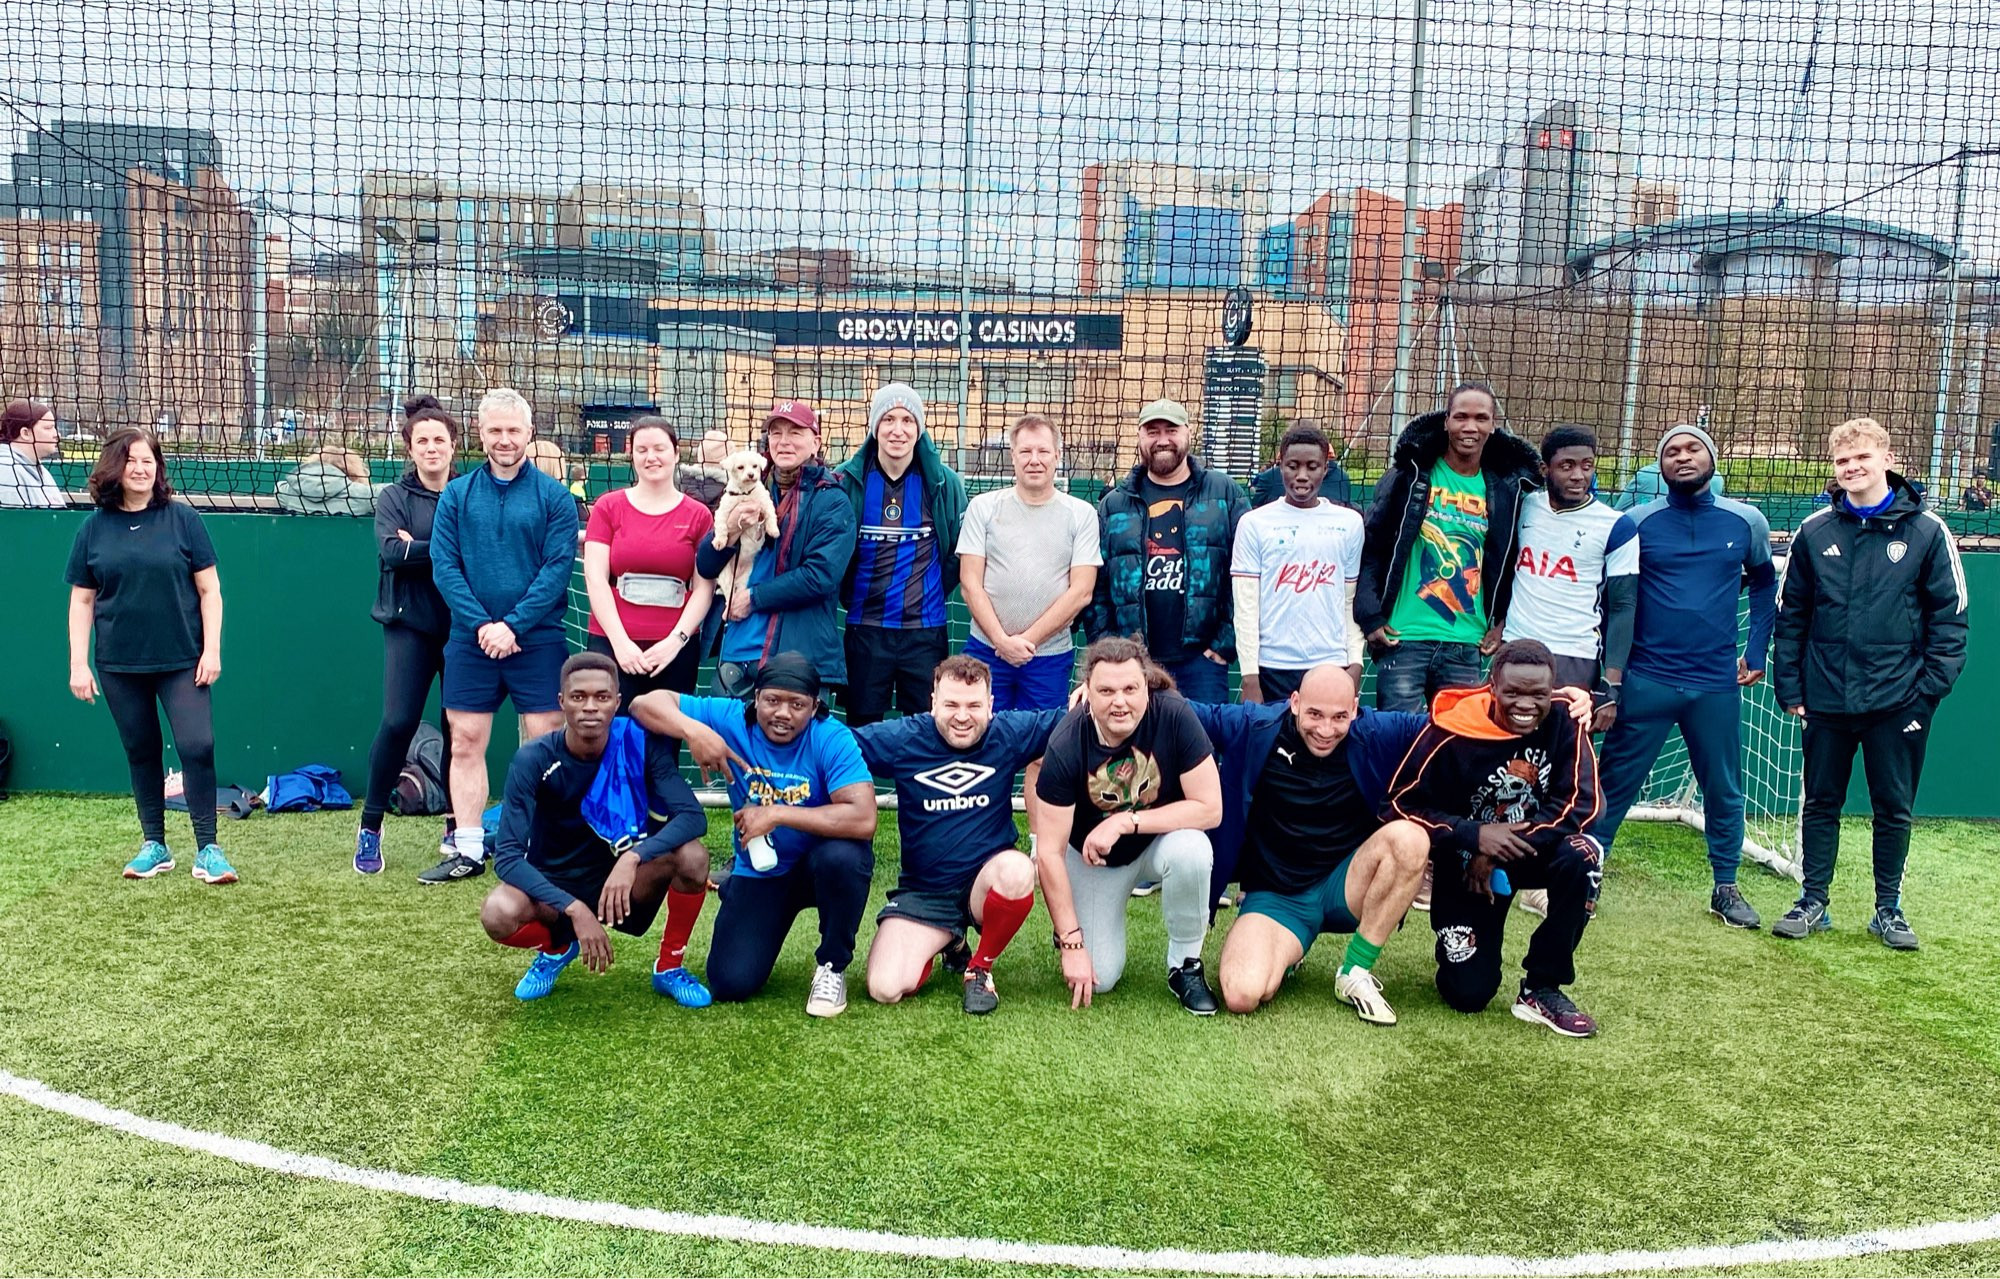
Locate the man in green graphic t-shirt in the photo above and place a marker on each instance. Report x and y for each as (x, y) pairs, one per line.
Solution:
(1438, 560)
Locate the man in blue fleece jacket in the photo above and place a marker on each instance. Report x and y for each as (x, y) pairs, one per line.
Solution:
(1698, 553)
(502, 546)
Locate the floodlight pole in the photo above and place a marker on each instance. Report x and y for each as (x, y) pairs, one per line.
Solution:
(965, 242)
(1406, 284)
(1943, 415)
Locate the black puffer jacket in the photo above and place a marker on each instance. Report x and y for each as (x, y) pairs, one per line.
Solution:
(1871, 612)
(405, 596)
(1403, 494)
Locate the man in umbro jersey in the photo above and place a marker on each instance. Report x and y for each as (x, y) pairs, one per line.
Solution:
(1576, 578)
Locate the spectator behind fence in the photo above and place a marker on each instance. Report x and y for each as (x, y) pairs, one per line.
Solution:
(908, 509)
(1028, 558)
(331, 481)
(143, 585)
(1977, 496)
(646, 602)
(787, 602)
(27, 440)
(1166, 530)
(501, 552)
(704, 479)
(415, 621)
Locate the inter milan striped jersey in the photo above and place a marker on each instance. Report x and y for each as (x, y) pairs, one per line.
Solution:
(897, 581)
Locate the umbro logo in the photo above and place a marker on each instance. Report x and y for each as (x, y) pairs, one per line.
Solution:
(1914, 726)
(954, 779)
(1290, 757)
(1833, 550)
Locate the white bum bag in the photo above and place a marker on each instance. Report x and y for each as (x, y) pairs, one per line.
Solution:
(653, 590)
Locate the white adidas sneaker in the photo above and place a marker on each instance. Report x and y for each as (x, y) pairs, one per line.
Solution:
(1361, 988)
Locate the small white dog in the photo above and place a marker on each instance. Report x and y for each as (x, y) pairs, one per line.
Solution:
(745, 488)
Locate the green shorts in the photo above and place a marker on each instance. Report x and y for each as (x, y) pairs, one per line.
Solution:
(1319, 909)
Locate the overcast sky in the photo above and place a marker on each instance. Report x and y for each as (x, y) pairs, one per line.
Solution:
(843, 123)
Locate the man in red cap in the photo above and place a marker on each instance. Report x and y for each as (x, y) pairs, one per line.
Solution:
(787, 602)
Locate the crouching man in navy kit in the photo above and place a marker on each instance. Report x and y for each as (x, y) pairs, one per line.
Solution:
(955, 770)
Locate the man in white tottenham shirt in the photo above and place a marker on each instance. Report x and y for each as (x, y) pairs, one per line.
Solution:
(1576, 579)
(1292, 571)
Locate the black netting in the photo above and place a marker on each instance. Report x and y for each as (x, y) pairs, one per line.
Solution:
(255, 228)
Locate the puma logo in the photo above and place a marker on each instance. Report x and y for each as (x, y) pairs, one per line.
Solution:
(1290, 758)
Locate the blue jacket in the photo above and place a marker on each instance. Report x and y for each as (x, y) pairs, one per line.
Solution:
(1697, 555)
(503, 553)
(1215, 504)
(795, 591)
(1243, 736)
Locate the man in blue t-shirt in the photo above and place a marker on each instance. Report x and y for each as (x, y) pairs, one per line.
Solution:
(1698, 553)
(805, 824)
(954, 770)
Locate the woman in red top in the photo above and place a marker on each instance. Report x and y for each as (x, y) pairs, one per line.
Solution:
(646, 603)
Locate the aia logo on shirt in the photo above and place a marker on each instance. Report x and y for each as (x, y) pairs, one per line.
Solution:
(1559, 566)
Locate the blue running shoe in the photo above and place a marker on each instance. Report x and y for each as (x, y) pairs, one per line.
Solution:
(211, 867)
(541, 976)
(152, 859)
(368, 852)
(682, 987)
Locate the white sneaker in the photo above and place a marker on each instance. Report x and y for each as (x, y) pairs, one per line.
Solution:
(1423, 898)
(828, 997)
(1359, 987)
(1533, 900)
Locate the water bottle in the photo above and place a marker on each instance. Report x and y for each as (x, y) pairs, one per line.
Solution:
(763, 853)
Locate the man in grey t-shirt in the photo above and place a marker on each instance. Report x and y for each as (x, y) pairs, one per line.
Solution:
(1028, 559)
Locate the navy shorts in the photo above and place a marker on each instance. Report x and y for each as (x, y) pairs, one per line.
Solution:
(477, 683)
(588, 888)
(950, 909)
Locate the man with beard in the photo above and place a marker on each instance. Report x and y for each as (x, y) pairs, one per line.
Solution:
(1438, 560)
(1501, 784)
(1166, 531)
(805, 825)
(598, 831)
(503, 543)
(1698, 553)
(954, 770)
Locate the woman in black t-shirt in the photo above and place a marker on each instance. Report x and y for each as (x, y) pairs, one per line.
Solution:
(143, 582)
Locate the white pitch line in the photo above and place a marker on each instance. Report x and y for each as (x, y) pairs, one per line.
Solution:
(255, 1154)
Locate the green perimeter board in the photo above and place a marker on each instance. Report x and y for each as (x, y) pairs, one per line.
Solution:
(302, 664)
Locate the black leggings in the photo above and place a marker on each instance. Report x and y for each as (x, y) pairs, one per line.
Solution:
(135, 701)
(411, 662)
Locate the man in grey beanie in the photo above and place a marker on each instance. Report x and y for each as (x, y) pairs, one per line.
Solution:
(1697, 554)
(909, 506)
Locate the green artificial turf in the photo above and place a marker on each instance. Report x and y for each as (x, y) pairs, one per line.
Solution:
(1743, 1088)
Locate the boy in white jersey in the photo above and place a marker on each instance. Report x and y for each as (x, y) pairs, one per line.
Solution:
(1576, 580)
(1292, 570)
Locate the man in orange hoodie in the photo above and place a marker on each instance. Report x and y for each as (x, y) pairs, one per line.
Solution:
(1508, 793)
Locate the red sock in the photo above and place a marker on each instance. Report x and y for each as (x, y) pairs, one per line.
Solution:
(924, 977)
(1004, 917)
(682, 910)
(533, 937)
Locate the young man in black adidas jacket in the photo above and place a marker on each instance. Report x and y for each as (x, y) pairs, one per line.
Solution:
(1871, 636)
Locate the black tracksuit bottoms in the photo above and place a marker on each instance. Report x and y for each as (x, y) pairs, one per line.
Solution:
(758, 911)
(135, 701)
(1892, 745)
(1469, 928)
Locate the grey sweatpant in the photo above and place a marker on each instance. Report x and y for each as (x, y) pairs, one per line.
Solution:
(1179, 861)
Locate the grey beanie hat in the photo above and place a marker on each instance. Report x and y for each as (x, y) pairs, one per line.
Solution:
(896, 395)
(1689, 428)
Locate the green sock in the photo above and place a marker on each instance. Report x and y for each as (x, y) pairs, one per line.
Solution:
(1361, 953)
